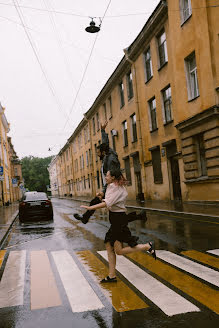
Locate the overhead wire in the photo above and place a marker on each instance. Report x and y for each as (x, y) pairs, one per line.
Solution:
(86, 16)
(34, 48)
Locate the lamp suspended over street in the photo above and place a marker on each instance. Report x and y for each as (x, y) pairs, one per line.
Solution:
(92, 28)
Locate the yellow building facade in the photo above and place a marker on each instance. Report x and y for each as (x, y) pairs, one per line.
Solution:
(162, 108)
(9, 163)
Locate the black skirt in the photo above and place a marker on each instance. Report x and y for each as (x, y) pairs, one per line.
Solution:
(119, 230)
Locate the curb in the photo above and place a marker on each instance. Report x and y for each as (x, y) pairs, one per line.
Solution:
(15, 215)
(159, 210)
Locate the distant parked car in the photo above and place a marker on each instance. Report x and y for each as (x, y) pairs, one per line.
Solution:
(35, 206)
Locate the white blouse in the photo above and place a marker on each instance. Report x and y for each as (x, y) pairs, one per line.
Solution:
(115, 198)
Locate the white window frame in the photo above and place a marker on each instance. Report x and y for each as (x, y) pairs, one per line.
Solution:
(165, 101)
(125, 128)
(148, 60)
(191, 77)
(150, 102)
(162, 44)
(121, 94)
(185, 10)
(129, 83)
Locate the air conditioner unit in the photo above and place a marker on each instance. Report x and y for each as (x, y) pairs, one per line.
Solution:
(114, 132)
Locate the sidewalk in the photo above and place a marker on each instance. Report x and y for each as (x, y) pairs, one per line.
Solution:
(184, 208)
(7, 216)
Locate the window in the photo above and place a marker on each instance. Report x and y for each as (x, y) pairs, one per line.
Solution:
(96, 152)
(113, 136)
(87, 159)
(104, 111)
(153, 119)
(202, 168)
(167, 104)
(148, 65)
(88, 132)
(162, 48)
(121, 93)
(185, 10)
(128, 170)
(94, 126)
(85, 135)
(110, 107)
(88, 179)
(129, 85)
(90, 157)
(16, 171)
(84, 183)
(98, 122)
(98, 180)
(125, 133)
(156, 162)
(82, 161)
(192, 78)
(133, 128)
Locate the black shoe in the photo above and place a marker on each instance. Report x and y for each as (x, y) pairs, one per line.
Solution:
(108, 279)
(151, 250)
(142, 216)
(80, 218)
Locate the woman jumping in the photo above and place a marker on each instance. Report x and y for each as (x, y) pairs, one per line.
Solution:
(118, 232)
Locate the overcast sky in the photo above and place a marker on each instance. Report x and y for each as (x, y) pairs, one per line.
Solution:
(40, 76)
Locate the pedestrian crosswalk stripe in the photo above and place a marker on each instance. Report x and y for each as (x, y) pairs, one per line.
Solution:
(80, 294)
(166, 299)
(2, 255)
(196, 269)
(12, 282)
(214, 251)
(201, 257)
(187, 284)
(122, 297)
(44, 292)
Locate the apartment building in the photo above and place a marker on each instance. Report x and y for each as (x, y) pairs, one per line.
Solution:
(162, 107)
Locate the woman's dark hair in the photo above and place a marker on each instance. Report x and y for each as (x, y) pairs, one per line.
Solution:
(117, 174)
(103, 147)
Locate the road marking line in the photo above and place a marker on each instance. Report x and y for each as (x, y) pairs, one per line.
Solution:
(166, 299)
(196, 269)
(214, 251)
(121, 296)
(80, 294)
(12, 282)
(2, 255)
(201, 257)
(189, 285)
(44, 292)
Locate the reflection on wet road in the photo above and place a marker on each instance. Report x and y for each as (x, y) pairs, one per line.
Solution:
(50, 274)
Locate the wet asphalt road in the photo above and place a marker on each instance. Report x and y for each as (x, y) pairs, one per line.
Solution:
(81, 241)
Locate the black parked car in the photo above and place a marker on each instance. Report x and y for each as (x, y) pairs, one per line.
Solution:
(35, 206)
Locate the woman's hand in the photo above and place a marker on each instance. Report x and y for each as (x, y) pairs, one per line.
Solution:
(85, 206)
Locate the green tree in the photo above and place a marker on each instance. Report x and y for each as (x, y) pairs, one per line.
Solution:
(35, 172)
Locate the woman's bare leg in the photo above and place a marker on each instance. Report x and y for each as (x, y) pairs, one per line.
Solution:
(119, 250)
(112, 260)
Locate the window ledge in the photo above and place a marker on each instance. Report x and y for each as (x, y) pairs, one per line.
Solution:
(167, 123)
(162, 66)
(158, 182)
(121, 106)
(190, 100)
(134, 141)
(131, 98)
(148, 79)
(110, 117)
(186, 20)
(125, 146)
(202, 179)
(151, 131)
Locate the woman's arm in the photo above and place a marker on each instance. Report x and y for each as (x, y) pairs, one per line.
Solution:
(94, 207)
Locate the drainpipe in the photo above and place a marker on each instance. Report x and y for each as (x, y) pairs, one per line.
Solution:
(138, 112)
